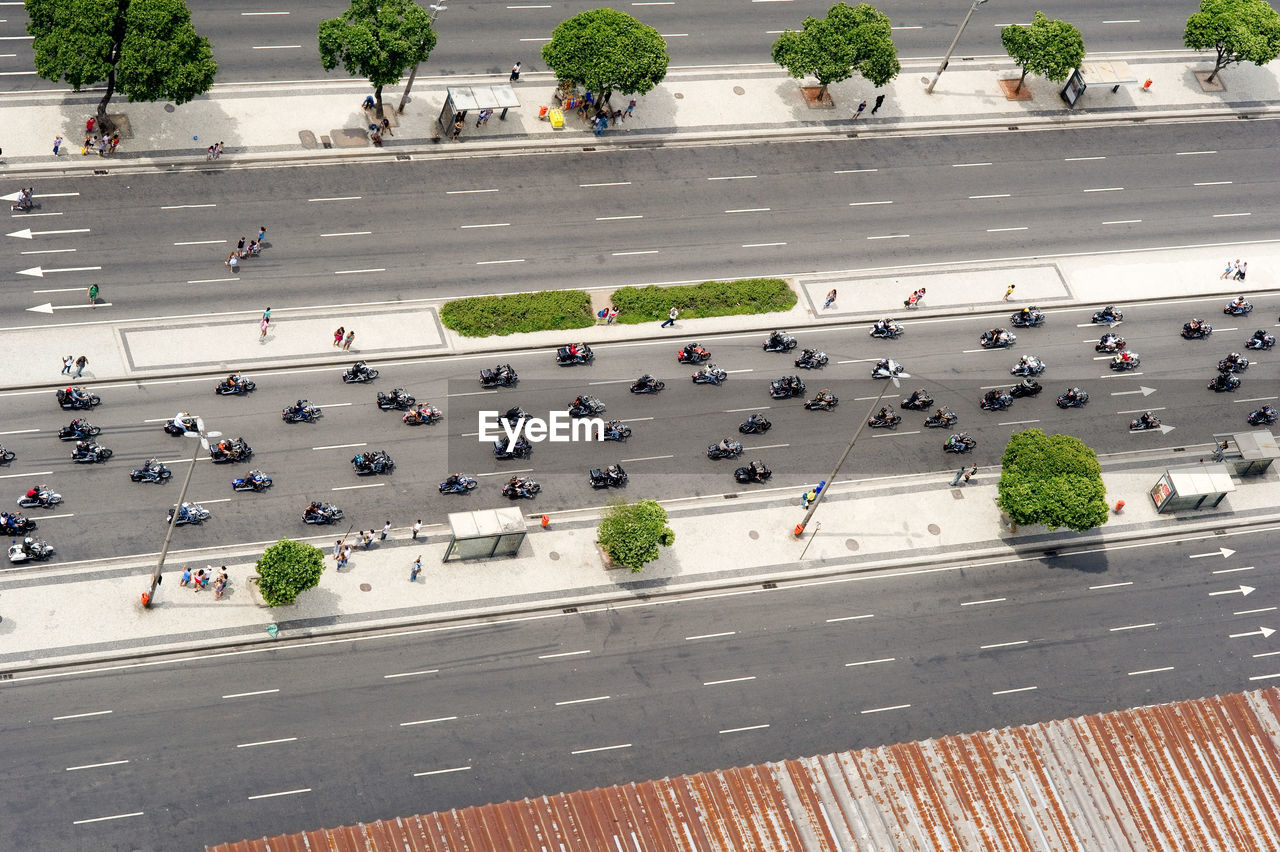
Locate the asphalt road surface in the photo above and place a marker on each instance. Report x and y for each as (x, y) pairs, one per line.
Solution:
(278, 42)
(323, 733)
(106, 515)
(441, 228)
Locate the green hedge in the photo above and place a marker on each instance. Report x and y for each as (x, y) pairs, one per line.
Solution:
(708, 299)
(483, 316)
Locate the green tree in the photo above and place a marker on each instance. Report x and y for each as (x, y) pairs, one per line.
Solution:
(1049, 48)
(849, 39)
(287, 569)
(377, 40)
(631, 532)
(1053, 480)
(607, 51)
(1239, 30)
(145, 49)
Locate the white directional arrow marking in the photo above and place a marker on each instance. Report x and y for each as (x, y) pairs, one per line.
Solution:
(1164, 430)
(13, 196)
(48, 308)
(1264, 632)
(27, 233)
(1141, 390)
(1242, 591)
(1224, 552)
(40, 272)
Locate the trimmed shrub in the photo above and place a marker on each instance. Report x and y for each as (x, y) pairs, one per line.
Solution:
(287, 569)
(1053, 480)
(632, 532)
(546, 310)
(708, 299)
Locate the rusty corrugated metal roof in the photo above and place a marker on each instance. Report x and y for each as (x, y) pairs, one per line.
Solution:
(1199, 775)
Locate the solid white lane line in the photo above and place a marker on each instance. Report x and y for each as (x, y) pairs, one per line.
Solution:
(1229, 215)
(1080, 159)
(410, 674)
(893, 434)
(105, 818)
(468, 191)
(281, 793)
(890, 237)
(979, 603)
(648, 458)
(730, 680)
(348, 234)
(748, 727)
(1131, 627)
(334, 198)
(629, 253)
(761, 245)
(96, 765)
(340, 446)
(750, 210)
(1001, 195)
(268, 742)
(583, 700)
(355, 487)
(1192, 153)
(1012, 691)
(967, 165)
(1105, 189)
(428, 721)
(1004, 644)
(186, 206)
(734, 177)
(1016, 422)
(1110, 586)
(617, 218)
(871, 662)
(1232, 570)
(441, 771)
(83, 715)
(1152, 671)
(850, 618)
(359, 271)
(853, 171)
(511, 472)
(562, 654)
(247, 694)
(711, 635)
(1254, 611)
(1213, 183)
(885, 709)
(610, 183)
(600, 748)
(495, 262)
(867, 203)
(1120, 222)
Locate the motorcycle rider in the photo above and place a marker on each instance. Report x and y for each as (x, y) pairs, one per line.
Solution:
(1108, 313)
(1221, 381)
(253, 477)
(1025, 314)
(941, 414)
(884, 364)
(992, 397)
(756, 468)
(882, 326)
(1072, 394)
(453, 480)
(82, 449)
(882, 416)
(825, 397)
(1260, 335)
(1149, 420)
(1108, 340)
(916, 396)
(1238, 304)
(775, 338)
(1195, 324)
(613, 471)
(1233, 360)
(723, 446)
(231, 381)
(1125, 357)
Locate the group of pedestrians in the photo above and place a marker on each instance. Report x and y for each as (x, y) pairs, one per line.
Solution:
(213, 152)
(80, 363)
(242, 251)
(608, 314)
(344, 341)
(1235, 270)
(202, 579)
(102, 144)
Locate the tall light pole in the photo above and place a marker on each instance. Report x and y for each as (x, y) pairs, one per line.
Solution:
(831, 478)
(203, 437)
(928, 90)
(436, 9)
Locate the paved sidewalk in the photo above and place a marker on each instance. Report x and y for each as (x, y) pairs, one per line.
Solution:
(904, 521)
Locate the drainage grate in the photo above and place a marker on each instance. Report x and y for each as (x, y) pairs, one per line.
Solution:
(769, 586)
(1219, 532)
(569, 610)
(1049, 554)
(731, 496)
(1012, 127)
(1179, 449)
(404, 157)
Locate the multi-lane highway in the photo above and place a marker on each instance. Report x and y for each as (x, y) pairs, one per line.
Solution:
(105, 514)
(447, 227)
(323, 733)
(278, 42)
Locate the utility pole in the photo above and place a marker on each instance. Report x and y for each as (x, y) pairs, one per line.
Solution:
(928, 90)
(203, 441)
(436, 8)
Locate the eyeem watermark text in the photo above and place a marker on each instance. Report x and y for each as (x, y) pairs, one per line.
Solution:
(558, 428)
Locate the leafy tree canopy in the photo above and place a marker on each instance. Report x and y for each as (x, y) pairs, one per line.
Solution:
(1049, 48)
(849, 39)
(631, 532)
(1053, 480)
(146, 49)
(378, 40)
(288, 568)
(1239, 30)
(607, 51)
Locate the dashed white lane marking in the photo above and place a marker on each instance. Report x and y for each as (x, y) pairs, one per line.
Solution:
(468, 191)
(1131, 627)
(105, 818)
(648, 458)
(22, 431)
(351, 233)
(617, 218)
(340, 446)
(334, 198)
(850, 618)
(200, 243)
(629, 253)
(441, 771)
(506, 472)
(979, 603)
(750, 210)
(268, 742)
(711, 635)
(1141, 410)
(1081, 159)
(410, 674)
(562, 654)
(356, 487)
(583, 700)
(853, 171)
(1105, 189)
(1004, 644)
(489, 225)
(761, 245)
(967, 165)
(893, 434)
(187, 206)
(1110, 586)
(470, 393)
(1213, 183)
(734, 177)
(890, 237)
(260, 14)
(607, 183)
(1256, 399)
(281, 793)
(83, 715)
(496, 262)
(428, 721)
(1012, 691)
(359, 271)
(1192, 153)
(729, 680)
(1229, 216)
(1016, 422)
(96, 765)
(1000, 230)
(600, 748)
(1121, 222)
(275, 47)
(1001, 195)
(747, 727)
(885, 709)
(1152, 671)
(1254, 611)
(867, 203)
(1129, 21)
(871, 662)
(732, 410)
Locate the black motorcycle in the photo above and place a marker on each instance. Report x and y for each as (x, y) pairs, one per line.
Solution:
(397, 399)
(822, 402)
(1264, 416)
(811, 359)
(500, 376)
(458, 483)
(611, 477)
(709, 375)
(1025, 388)
(887, 330)
(1261, 340)
(1032, 317)
(302, 412)
(1110, 343)
(1224, 382)
(779, 341)
(885, 421)
(1028, 366)
(693, 354)
(173, 427)
(229, 451)
(1230, 365)
(424, 413)
(321, 513)
(359, 373)
(517, 415)
(81, 400)
(15, 524)
(786, 387)
(1200, 332)
(78, 430)
(1073, 398)
(586, 406)
(1125, 361)
(1143, 423)
(1108, 315)
(153, 472)
(242, 386)
(647, 384)
(920, 400)
(580, 354)
(944, 418)
(960, 442)
(752, 473)
(997, 338)
(756, 424)
(616, 430)
(90, 454)
(519, 450)
(715, 452)
(6, 456)
(521, 489)
(375, 462)
(996, 401)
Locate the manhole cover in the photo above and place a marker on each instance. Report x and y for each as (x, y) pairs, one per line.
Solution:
(678, 96)
(753, 535)
(169, 107)
(934, 529)
(851, 543)
(553, 556)
(365, 587)
(738, 90)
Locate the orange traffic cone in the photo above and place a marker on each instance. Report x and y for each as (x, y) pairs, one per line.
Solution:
(546, 521)
(1119, 507)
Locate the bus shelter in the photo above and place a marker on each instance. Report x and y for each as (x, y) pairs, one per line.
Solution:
(1247, 453)
(460, 100)
(484, 534)
(1114, 73)
(1192, 486)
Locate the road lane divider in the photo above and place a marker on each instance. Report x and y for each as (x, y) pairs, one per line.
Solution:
(341, 446)
(354, 487)
(441, 771)
(746, 728)
(410, 674)
(1015, 690)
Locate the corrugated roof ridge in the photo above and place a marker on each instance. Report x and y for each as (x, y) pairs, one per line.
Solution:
(975, 768)
(1254, 768)
(702, 787)
(1081, 820)
(850, 793)
(806, 795)
(781, 816)
(1111, 753)
(937, 797)
(897, 785)
(694, 822)
(1192, 727)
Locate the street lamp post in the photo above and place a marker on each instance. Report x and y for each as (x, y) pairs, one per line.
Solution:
(831, 478)
(436, 8)
(203, 441)
(947, 58)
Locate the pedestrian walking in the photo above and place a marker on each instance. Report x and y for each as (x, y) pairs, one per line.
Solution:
(484, 116)
(233, 262)
(417, 528)
(219, 586)
(1229, 271)
(208, 154)
(515, 72)
(970, 473)
(457, 129)
(114, 142)
(102, 146)
(344, 556)
(879, 103)
(266, 315)
(630, 110)
(367, 538)
(262, 233)
(1009, 292)
(1241, 270)
(57, 143)
(81, 363)
(67, 361)
(346, 343)
(415, 570)
(186, 576)
(862, 106)
(337, 549)
(263, 323)
(386, 529)
(240, 247)
(808, 497)
(90, 124)
(671, 318)
(93, 295)
(217, 150)
(337, 336)
(386, 126)
(611, 316)
(831, 299)
(199, 580)
(600, 124)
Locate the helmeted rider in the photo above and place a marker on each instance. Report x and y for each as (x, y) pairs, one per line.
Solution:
(1233, 359)
(1195, 324)
(1260, 335)
(756, 468)
(1108, 313)
(882, 325)
(992, 397)
(1238, 303)
(1125, 356)
(881, 415)
(231, 381)
(1148, 419)
(723, 446)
